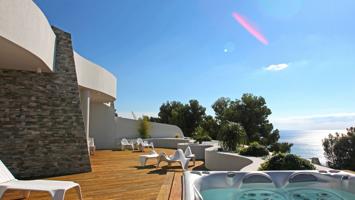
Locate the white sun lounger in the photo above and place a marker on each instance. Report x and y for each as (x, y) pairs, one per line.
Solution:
(178, 156)
(142, 144)
(189, 154)
(125, 143)
(56, 189)
(144, 158)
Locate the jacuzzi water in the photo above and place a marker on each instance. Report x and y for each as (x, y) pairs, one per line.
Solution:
(273, 194)
(272, 185)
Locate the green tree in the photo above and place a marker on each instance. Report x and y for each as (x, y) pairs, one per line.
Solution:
(283, 147)
(186, 116)
(340, 150)
(221, 108)
(252, 113)
(144, 127)
(154, 119)
(231, 135)
(211, 127)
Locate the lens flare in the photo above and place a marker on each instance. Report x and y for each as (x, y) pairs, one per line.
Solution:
(252, 30)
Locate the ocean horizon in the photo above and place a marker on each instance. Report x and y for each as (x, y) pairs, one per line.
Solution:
(307, 143)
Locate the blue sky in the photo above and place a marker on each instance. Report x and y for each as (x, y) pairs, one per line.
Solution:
(194, 49)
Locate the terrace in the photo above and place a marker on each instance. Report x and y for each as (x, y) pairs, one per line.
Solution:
(117, 175)
(55, 105)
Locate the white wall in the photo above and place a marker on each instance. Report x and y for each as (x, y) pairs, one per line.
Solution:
(24, 25)
(108, 129)
(170, 143)
(223, 161)
(96, 78)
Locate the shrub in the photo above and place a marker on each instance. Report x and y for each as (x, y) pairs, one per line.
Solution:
(283, 147)
(254, 149)
(144, 126)
(177, 135)
(340, 150)
(231, 135)
(200, 135)
(282, 161)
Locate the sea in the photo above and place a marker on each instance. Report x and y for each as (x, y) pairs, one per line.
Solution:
(307, 143)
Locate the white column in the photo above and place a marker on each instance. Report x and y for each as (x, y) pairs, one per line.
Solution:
(86, 111)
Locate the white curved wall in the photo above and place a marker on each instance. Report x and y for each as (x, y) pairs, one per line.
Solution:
(168, 142)
(129, 128)
(108, 130)
(223, 161)
(23, 26)
(96, 78)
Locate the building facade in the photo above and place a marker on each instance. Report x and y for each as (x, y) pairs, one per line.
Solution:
(52, 99)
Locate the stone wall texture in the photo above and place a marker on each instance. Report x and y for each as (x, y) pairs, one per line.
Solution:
(42, 131)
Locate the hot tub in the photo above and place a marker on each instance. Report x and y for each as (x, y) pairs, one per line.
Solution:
(269, 185)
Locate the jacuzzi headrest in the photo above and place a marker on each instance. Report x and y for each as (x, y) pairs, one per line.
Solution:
(257, 177)
(301, 177)
(296, 178)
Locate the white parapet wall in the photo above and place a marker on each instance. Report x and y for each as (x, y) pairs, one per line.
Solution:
(108, 130)
(171, 143)
(224, 161)
(26, 37)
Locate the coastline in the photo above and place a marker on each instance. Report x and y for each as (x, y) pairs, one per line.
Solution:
(307, 143)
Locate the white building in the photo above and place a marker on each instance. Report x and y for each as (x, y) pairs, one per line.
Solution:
(52, 99)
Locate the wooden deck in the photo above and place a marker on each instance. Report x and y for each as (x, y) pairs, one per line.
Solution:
(117, 175)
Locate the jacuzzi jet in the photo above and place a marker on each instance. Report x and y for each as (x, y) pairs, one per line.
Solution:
(265, 194)
(260, 194)
(230, 178)
(230, 174)
(322, 194)
(310, 194)
(344, 178)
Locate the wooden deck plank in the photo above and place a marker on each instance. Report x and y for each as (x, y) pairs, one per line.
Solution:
(115, 175)
(165, 189)
(176, 188)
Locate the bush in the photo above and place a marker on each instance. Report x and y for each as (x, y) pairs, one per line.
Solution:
(177, 135)
(200, 135)
(231, 135)
(286, 162)
(254, 149)
(340, 150)
(283, 147)
(144, 126)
